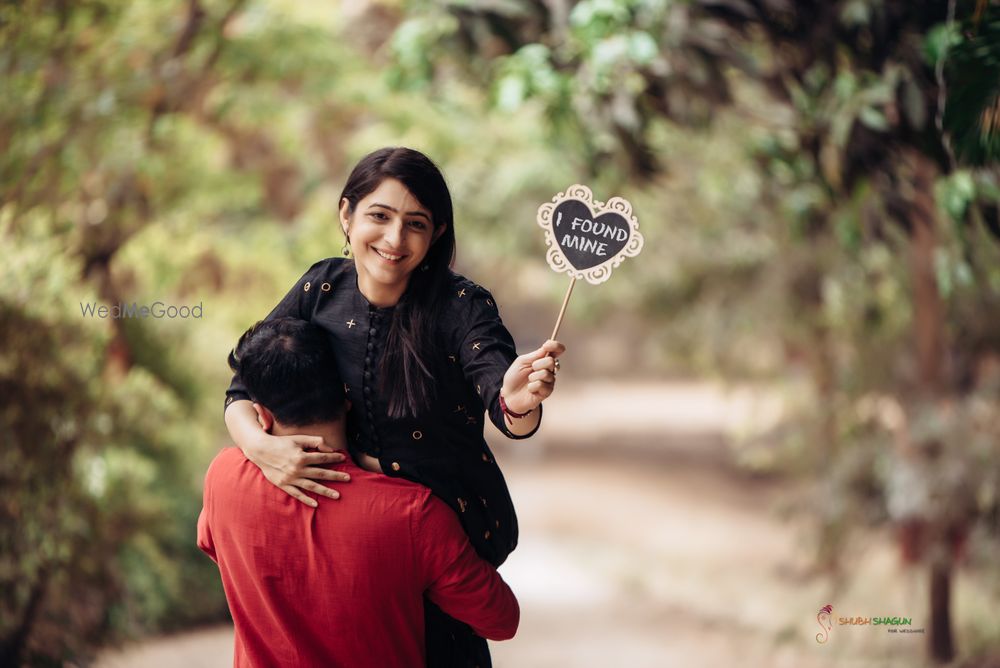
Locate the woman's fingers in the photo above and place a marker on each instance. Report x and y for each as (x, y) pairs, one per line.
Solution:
(553, 348)
(325, 474)
(317, 488)
(531, 378)
(318, 458)
(312, 443)
(544, 363)
(544, 376)
(540, 389)
(295, 489)
(527, 360)
(549, 349)
(297, 494)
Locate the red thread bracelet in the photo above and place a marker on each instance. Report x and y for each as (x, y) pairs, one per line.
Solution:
(511, 414)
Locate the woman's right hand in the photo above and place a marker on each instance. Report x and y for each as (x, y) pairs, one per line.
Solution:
(292, 464)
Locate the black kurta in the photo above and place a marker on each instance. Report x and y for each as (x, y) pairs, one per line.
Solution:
(443, 449)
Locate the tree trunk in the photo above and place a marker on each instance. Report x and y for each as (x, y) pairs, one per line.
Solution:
(929, 334)
(928, 309)
(824, 376)
(941, 642)
(119, 354)
(12, 646)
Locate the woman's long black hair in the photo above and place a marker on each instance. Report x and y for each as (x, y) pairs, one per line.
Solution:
(408, 366)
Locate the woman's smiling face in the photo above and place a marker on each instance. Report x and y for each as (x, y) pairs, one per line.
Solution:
(390, 232)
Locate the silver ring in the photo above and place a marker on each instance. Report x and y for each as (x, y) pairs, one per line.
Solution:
(557, 364)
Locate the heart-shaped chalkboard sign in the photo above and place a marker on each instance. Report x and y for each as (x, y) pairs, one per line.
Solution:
(587, 239)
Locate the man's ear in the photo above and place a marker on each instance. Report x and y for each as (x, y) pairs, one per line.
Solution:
(265, 418)
(345, 215)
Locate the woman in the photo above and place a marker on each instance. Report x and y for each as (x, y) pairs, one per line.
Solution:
(423, 354)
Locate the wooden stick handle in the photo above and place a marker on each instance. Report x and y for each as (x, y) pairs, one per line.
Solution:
(562, 311)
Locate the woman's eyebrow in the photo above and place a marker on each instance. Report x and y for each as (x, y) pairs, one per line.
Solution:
(395, 210)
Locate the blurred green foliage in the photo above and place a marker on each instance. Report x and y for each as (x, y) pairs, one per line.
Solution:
(862, 251)
(817, 207)
(188, 152)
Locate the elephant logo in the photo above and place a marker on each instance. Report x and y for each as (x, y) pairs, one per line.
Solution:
(825, 620)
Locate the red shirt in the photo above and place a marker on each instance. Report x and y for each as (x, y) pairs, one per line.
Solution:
(342, 584)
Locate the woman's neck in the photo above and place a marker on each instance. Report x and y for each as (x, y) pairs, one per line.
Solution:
(379, 295)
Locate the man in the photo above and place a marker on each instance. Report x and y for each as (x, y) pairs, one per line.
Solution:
(342, 584)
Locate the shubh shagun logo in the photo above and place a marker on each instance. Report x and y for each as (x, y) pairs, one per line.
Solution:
(825, 620)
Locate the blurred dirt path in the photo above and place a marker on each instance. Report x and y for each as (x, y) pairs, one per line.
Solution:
(640, 564)
(642, 550)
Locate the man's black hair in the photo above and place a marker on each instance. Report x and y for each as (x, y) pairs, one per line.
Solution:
(287, 366)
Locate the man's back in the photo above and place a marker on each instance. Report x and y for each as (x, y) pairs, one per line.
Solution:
(342, 584)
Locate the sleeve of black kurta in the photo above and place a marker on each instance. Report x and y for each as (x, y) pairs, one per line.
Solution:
(297, 303)
(486, 351)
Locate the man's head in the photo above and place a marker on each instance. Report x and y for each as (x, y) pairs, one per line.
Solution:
(289, 371)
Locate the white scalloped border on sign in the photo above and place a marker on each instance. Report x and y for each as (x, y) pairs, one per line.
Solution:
(555, 257)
